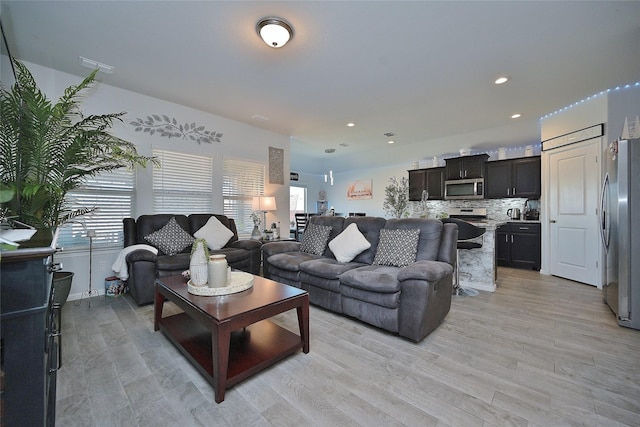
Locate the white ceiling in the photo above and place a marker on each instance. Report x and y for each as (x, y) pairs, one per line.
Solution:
(423, 70)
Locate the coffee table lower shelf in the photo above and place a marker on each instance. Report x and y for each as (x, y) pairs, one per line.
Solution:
(251, 349)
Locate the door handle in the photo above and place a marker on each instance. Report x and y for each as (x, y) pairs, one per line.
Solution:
(552, 221)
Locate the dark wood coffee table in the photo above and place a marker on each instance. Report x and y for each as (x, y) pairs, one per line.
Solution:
(228, 338)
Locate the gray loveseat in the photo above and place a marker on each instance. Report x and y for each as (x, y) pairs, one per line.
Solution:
(410, 301)
(144, 266)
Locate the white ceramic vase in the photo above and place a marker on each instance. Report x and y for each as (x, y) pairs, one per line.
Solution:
(198, 265)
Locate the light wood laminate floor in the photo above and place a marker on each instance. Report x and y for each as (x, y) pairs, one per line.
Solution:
(541, 351)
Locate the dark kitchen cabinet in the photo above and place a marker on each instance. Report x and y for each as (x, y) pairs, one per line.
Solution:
(466, 167)
(514, 178)
(518, 245)
(431, 180)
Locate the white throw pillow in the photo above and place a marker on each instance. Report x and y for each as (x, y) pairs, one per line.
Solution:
(348, 244)
(215, 233)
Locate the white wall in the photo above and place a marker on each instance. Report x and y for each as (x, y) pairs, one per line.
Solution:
(239, 141)
(579, 116)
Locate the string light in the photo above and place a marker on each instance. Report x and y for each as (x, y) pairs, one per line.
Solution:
(589, 98)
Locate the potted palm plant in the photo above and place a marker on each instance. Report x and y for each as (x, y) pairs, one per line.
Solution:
(48, 149)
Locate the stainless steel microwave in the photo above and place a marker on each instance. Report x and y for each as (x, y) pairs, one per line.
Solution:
(464, 189)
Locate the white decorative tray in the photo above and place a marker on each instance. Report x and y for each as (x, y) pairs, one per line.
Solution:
(240, 281)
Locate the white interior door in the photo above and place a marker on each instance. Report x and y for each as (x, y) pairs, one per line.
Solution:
(573, 217)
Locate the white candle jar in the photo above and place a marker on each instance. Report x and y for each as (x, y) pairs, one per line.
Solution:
(217, 271)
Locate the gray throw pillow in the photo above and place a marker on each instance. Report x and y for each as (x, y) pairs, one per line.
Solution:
(314, 239)
(171, 238)
(397, 247)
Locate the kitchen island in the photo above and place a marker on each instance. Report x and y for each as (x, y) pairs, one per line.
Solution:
(478, 266)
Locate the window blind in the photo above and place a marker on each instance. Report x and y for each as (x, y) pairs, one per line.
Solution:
(112, 195)
(241, 181)
(182, 183)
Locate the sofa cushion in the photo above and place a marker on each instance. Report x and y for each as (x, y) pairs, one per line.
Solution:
(215, 233)
(348, 244)
(327, 268)
(397, 247)
(290, 261)
(372, 278)
(233, 254)
(314, 239)
(171, 238)
(177, 262)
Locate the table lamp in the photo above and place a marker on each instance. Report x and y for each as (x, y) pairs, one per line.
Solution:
(264, 204)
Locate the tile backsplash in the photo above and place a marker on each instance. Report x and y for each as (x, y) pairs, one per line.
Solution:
(496, 208)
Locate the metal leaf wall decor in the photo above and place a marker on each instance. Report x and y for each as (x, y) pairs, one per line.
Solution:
(170, 128)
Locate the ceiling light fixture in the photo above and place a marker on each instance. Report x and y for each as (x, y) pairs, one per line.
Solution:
(351, 125)
(516, 116)
(501, 80)
(391, 142)
(330, 176)
(275, 32)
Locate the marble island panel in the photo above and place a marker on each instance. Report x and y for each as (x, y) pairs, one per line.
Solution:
(478, 266)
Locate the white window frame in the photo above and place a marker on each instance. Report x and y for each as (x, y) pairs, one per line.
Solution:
(241, 181)
(112, 194)
(182, 183)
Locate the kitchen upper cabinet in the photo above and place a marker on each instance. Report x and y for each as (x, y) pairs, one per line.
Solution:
(466, 167)
(429, 180)
(514, 178)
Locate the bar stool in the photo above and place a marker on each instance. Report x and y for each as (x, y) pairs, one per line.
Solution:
(301, 223)
(466, 233)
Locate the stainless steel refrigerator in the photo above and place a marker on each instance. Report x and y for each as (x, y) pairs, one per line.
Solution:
(620, 230)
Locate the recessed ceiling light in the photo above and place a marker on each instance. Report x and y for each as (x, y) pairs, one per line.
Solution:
(351, 125)
(391, 142)
(501, 80)
(516, 116)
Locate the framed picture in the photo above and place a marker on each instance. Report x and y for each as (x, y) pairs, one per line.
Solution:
(361, 189)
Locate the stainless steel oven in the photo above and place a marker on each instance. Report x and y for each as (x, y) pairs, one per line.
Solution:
(464, 189)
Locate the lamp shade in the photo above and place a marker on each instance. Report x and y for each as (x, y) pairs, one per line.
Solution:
(264, 203)
(274, 31)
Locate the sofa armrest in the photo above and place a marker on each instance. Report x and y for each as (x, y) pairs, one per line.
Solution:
(424, 303)
(245, 244)
(273, 248)
(141, 255)
(253, 247)
(431, 271)
(142, 274)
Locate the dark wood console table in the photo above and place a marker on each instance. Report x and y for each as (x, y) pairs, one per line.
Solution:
(229, 338)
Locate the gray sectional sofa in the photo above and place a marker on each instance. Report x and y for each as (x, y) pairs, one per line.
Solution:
(144, 266)
(410, 300)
